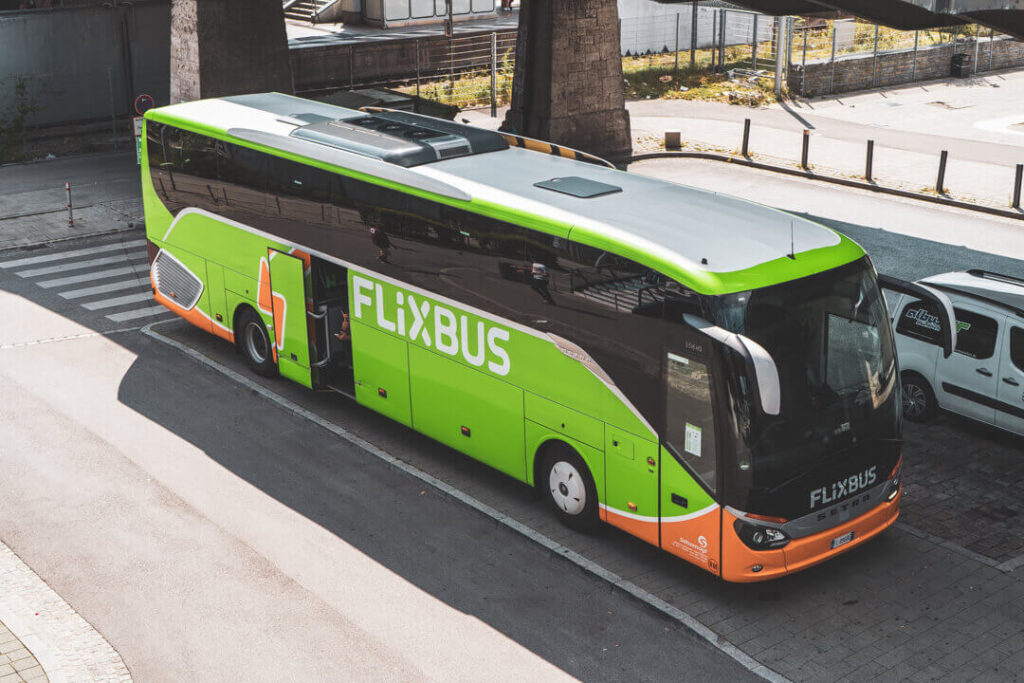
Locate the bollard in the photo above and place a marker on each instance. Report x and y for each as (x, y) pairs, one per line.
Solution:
(941, 180)
(673, 139)
(746, 137)
(870, 161)
(807, 144)
(1016, 185)
(71, 219)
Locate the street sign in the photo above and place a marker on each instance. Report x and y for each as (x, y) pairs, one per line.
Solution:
(137, 129)
(143, 103)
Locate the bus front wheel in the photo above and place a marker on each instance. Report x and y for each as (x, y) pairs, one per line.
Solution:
(569, 488)
(254, 342)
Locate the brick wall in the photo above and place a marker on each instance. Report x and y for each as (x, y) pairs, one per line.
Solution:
(860, 71)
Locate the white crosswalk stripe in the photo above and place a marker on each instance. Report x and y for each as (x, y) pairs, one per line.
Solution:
(95, 275)
(119, 301)
(111, 278)
(73, 253)
(137, 313)
(105, 289)
(79, 265)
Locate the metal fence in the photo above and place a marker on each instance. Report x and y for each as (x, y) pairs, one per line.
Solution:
(830, 44)
(711, 39)
(474, 72)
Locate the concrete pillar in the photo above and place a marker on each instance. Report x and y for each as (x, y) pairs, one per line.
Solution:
(567, 86)
(228, 47)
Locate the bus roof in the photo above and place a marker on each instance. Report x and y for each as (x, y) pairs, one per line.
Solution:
(708, 241)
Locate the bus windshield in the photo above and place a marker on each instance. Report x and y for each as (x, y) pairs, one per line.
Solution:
(830, 337)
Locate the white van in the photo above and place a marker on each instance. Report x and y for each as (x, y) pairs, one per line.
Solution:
(984, 377)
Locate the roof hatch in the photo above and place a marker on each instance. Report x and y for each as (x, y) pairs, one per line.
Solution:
(584, 188)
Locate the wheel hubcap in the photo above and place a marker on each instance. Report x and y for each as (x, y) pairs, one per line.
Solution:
(255, 342)
(567, 488)
(914, 400)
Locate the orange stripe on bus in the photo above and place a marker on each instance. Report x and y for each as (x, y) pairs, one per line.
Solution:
(646, 529)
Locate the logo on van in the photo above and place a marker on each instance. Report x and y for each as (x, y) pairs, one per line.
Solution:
(925, 319)
(431, 324)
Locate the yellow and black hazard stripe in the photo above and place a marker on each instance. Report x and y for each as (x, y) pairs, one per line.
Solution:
(549, 148)
(526, 143)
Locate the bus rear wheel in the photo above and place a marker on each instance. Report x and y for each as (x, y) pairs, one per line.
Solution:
(254, 343)
(569, 489)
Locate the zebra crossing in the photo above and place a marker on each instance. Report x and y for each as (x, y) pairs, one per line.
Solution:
(111, 279)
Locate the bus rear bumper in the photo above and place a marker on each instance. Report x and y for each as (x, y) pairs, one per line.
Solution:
(739, 561)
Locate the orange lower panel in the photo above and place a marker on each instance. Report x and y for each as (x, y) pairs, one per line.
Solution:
(738, 560)
(806, 552)
(694, 539)
(643, 529)
(194, 316)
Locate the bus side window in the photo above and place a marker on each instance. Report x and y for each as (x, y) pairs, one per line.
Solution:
(243, 175)
(689, 419)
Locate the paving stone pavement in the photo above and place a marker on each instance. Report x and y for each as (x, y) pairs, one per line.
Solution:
(17, 663)
(963, 485)
(43, 639)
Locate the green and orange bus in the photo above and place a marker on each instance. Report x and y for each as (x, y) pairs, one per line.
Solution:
(715, 377)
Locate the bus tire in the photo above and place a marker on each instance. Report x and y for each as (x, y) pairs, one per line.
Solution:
(566, 483)
(254, 343)
(918, 398)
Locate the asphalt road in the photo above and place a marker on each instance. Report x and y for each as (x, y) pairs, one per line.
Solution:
(210, 535)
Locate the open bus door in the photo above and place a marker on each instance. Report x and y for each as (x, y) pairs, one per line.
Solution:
(291, 333)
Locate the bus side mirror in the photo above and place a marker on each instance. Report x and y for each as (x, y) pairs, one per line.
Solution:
(760, 363)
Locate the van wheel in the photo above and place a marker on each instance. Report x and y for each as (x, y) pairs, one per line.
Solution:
(918, 398)
(569, 488)
(254, 343)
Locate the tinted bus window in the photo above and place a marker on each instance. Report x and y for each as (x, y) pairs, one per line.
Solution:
(689, 420)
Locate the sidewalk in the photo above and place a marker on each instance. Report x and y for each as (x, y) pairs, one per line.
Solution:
(106, 197)
(978, 121)
(17, 663)
(43, 639)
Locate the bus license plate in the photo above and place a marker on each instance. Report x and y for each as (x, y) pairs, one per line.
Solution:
(842, 540)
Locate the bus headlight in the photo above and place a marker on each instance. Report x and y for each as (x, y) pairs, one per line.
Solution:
(894, 479)
(759, 537)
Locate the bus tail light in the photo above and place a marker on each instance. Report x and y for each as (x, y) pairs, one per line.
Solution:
(151, 251)
(759, 537)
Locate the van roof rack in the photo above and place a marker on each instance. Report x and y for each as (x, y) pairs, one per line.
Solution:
(998, 277)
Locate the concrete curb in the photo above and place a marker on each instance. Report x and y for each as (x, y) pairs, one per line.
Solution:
(65, 645)
(687, 620)
(847, 182)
